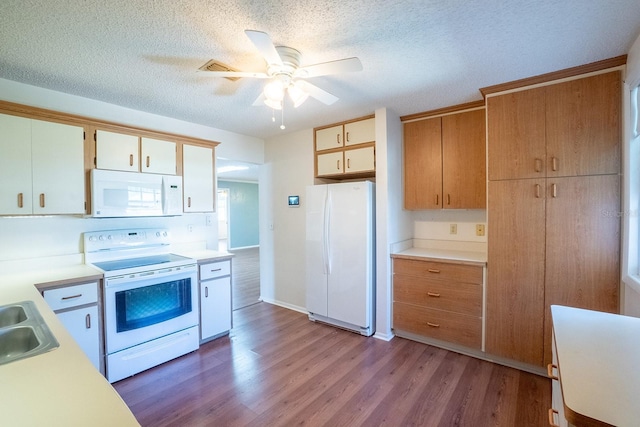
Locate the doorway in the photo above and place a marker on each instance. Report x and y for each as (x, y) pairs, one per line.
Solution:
(223, 219)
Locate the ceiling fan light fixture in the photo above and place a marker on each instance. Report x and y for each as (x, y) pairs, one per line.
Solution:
(276, 105)
(274, 91)
(297, 94)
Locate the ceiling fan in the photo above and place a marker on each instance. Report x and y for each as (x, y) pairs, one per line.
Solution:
(286, 75)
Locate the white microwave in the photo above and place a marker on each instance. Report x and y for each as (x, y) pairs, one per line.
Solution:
(133, 194)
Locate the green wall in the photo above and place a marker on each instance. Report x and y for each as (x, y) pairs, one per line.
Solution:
(243, 213)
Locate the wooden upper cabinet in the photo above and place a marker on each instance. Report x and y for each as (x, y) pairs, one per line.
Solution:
(583, 129)
(423, 164)
(516, 135)
(444, 162)
(463, 160)
(564, 129)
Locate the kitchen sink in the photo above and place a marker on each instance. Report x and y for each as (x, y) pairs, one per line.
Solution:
(23, 332)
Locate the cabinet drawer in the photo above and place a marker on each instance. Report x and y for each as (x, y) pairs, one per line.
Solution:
(438, 270)
(463, 298)
(71, 296)
(215, 269)
(438, 324)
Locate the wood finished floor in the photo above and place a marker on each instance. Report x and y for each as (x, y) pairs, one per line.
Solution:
(245, 277)
(277, 368)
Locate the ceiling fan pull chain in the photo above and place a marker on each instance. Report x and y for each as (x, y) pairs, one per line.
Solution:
(282, 116)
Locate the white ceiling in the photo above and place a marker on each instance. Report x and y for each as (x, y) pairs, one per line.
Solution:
(417, 55)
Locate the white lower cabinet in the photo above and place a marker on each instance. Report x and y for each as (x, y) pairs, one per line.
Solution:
(215, 299)
(77, 308)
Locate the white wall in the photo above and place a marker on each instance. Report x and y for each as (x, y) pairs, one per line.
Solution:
(288, 170)
(38, 236)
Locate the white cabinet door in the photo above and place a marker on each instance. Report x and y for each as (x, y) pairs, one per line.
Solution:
(117, 151)
(15, 165)
(197, 178)
(360, 132)
(158, 156)
(360, 160)
(329, 138)
(215, 307)
(58, 168)
(83, 326)
(330, 163)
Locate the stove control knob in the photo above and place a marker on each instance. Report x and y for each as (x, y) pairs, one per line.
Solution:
(101, 237)
(91, 239)
(164, 234)
(157, 234)
(109, 237)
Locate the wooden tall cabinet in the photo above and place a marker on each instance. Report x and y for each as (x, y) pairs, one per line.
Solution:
(444, 165)
(554, 195)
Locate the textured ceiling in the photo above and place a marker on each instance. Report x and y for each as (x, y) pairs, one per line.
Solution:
(417, 55)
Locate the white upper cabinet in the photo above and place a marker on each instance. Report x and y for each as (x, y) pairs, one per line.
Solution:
(329, 138)
(41, 167)
(117, 151)
(198, 178)
(360, 132)
(158, 156)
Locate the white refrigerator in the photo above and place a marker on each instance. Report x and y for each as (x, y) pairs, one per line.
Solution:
(340, 255)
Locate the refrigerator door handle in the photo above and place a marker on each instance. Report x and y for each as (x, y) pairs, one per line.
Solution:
(326, 254)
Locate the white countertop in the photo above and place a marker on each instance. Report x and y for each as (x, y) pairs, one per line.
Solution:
(598, 357)
(443, 255)
(60, 387)
(204, 255)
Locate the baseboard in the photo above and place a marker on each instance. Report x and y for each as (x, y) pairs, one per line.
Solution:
(302, 310)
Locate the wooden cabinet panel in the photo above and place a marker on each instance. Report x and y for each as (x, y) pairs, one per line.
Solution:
(330, 163)
(516, 132)
(423, 164)
(360, 132)
(463, 160)
(15, 165)
(117, 151)
(582, 245)
(438, 324)
(464, 298)
(438, 270)
(158, 156)
(583, 129)
(329, 138)
(360, 160)
(515, 270)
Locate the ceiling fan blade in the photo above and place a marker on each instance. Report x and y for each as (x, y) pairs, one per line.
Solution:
(265, 46)
(232, 74)
(346, 65)
(314, 91)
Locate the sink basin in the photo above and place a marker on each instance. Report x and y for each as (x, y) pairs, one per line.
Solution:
(23, 332)
(12, 315)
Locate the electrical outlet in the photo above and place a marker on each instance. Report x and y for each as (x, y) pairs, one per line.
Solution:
(190, 228)
(479, 229)
(208, 220)
(453, 229)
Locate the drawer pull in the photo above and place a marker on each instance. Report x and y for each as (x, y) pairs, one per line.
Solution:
(71, 297)
(433, 325)
(87, 321)
(550, 368)
(216, 269)
(433, 294)
(206, 292)
(433, 270)
(552, 422)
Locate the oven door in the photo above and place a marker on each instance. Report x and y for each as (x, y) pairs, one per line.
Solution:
(149, 305)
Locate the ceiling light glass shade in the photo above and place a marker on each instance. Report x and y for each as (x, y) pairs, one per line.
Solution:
(274, 90)
(276, 105)
(297, 95)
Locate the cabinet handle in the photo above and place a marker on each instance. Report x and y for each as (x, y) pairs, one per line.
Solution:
(433, 270)
(448, 199)
(217, 269)
(537, 191)
(538, 165)
(338, 164)
(20, 200)
(338, 138)
(188, 202)
(42, 200)
(433, 294)
(553, 412)
(71, 297)
(206, 292)
(554, 163)
(550, 367)
(148, 161)
(130, 159)
(347, 136)
(433, 325)
(87, 321)
(437, 200)
(554, 190)
(348, 163)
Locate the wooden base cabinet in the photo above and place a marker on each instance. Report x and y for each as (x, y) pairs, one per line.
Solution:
(441, 301)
